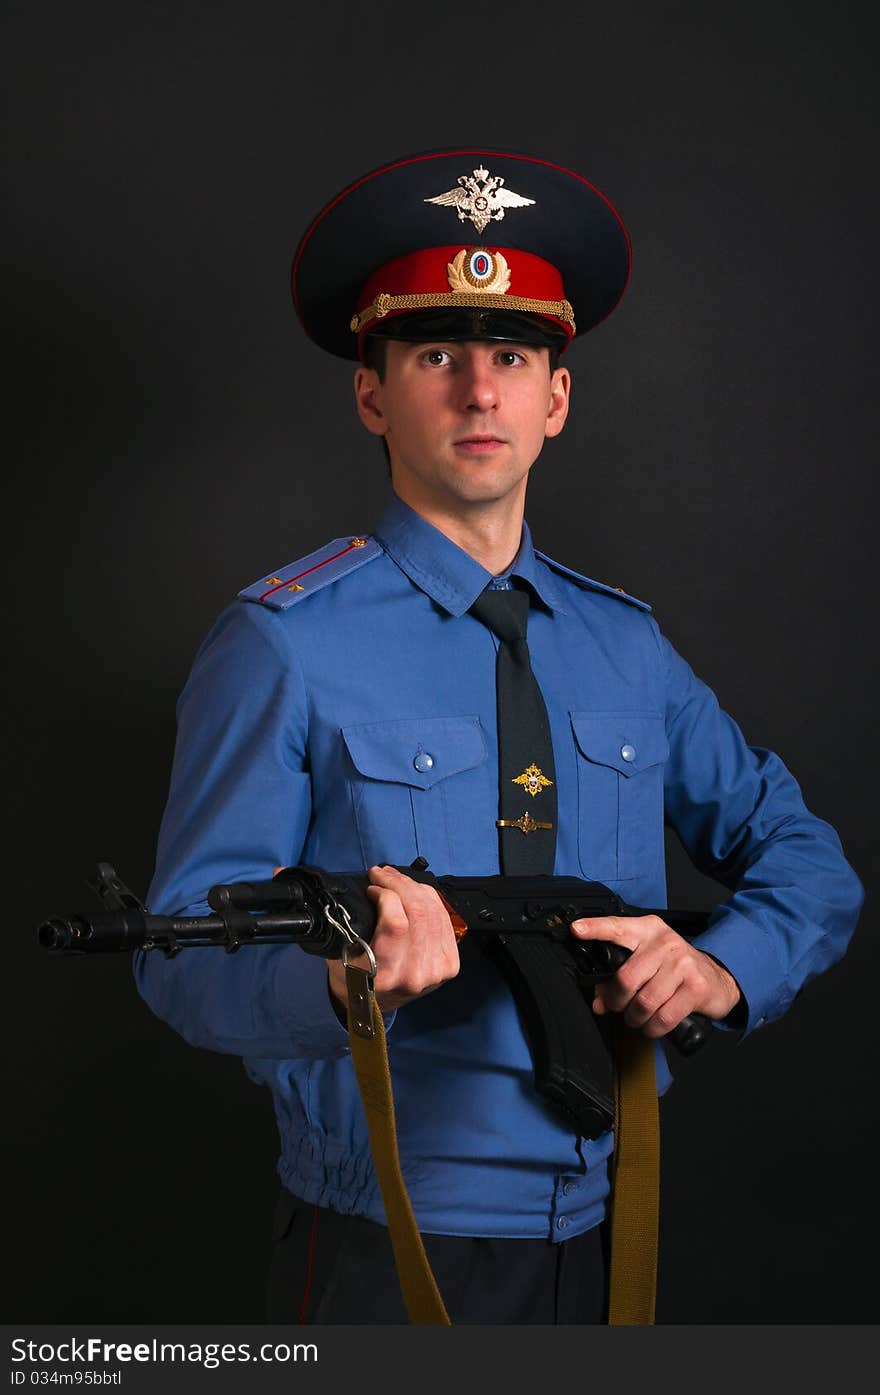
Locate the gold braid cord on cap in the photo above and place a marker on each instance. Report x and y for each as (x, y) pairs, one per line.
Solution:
(384, 304)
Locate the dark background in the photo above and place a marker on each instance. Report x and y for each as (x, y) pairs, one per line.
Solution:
(174, 436)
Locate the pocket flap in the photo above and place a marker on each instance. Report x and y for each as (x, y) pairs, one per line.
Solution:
(627, 741)
(416, 751)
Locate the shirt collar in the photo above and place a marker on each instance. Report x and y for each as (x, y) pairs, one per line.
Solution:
(443, 570)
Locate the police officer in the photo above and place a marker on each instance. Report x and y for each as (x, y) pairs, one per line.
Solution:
(365, 705)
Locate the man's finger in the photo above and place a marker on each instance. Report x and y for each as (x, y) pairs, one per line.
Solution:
(399, 882)
(384, 876)
(652, 995)
(419, 900)
(390, 911)
(605, 927)
(668, 1015)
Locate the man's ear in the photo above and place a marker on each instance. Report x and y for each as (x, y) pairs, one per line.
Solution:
(560, 392)
(368, 397)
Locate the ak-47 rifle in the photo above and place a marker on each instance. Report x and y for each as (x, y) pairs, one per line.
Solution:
(522, 923)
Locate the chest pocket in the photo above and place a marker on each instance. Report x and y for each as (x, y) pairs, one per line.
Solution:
(416, 784)
(620, 758)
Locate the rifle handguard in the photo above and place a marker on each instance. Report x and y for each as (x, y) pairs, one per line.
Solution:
(522, 923)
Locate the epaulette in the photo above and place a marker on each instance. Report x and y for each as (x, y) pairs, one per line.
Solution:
(284, 587)
(588, 584)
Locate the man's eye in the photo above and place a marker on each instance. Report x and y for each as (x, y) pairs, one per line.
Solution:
(435, 357)
(508, 357)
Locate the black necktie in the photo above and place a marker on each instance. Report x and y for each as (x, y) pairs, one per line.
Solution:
(526, 775)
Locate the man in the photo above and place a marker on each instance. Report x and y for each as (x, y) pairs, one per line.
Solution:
(359, 708)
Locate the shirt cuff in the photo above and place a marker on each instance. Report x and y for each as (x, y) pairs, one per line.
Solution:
(746, 951)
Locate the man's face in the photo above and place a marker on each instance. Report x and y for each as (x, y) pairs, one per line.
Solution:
(464, 422)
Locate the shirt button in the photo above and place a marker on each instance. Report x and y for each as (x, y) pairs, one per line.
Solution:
(562, 1223)
(628, 752)
(568, 1188)
(423, 762)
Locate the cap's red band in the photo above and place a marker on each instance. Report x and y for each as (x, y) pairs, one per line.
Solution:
(446, 277)
(427, 272)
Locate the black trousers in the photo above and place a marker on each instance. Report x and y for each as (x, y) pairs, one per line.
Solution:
(327, 1268)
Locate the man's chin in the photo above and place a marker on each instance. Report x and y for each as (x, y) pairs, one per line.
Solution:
(466, 482)
(486, 490)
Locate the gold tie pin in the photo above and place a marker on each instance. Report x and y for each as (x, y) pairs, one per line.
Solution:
(525, 824)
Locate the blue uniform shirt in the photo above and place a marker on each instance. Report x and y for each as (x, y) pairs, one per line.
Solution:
(303, 732)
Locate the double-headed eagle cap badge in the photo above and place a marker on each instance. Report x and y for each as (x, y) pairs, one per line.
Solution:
(481, 197)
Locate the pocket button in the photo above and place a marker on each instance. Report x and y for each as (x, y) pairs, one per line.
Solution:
(628, 752)
(423, 762)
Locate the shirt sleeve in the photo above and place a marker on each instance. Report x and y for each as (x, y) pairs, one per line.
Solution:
(740, 814)
(239, 806)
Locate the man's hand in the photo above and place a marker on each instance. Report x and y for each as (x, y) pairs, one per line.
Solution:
(414, 943)
(663, 980)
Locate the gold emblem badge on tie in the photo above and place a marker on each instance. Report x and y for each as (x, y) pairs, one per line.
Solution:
(532, 779)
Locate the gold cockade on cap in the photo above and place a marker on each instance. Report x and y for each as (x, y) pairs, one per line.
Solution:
(533, 780)
(481, 197)
(476, 269)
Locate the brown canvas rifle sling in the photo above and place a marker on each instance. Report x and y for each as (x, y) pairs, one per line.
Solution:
(635, 1166)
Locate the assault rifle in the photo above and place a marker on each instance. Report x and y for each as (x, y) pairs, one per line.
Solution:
(521, 923)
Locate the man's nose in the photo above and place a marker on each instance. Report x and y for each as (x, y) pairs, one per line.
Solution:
(478, 384)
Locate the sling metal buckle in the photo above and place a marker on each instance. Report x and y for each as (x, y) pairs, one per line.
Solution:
(358, 981)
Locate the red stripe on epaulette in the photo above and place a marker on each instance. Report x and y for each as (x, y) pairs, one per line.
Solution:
(317, 567)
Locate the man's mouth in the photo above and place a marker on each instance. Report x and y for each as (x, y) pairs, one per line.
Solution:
(479, 445)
